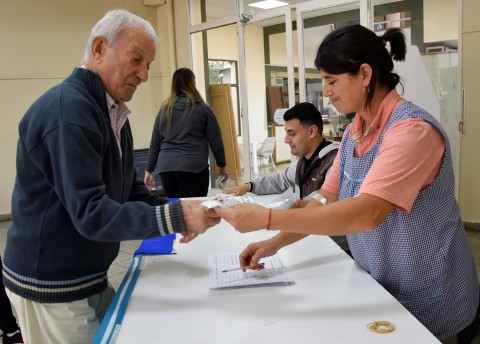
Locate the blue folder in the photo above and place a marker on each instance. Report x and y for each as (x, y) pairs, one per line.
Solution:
(159, 245)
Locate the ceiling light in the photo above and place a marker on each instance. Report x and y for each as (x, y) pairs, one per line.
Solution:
(268, 4)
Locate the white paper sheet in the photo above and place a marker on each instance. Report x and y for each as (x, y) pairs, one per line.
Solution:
(274, 273)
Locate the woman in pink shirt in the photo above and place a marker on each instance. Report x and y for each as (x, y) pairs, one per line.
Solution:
(390, 190)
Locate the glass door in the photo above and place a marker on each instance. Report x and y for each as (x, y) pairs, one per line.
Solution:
(268, 48)
(314, 22)
(215, 67)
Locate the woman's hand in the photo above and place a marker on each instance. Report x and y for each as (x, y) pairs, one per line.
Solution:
(245, 217)
(149, 180)
(256, 251)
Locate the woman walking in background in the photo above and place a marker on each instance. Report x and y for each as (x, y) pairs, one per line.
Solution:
(184, 130)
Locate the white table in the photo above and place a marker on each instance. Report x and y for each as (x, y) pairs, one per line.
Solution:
(332, 301)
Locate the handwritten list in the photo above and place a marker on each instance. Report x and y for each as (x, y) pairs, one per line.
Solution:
(274, 273)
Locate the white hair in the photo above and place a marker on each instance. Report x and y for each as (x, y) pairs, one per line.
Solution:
(112, 24)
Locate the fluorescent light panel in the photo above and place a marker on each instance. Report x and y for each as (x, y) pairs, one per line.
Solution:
(268, 4)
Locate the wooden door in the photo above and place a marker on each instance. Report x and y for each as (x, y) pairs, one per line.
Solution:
(221, 102)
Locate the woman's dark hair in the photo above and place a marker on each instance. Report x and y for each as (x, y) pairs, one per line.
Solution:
(183, 83)
(346, 49)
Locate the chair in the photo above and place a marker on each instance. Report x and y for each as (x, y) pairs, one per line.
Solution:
(266, 151)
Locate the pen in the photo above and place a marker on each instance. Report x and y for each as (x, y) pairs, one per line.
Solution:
(259, 267)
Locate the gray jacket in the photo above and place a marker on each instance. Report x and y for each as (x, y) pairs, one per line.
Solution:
(184, 145)
(280, 182)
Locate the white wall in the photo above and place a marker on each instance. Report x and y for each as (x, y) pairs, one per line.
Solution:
(440, 20)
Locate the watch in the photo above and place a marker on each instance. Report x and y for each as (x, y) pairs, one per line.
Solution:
(320, 198)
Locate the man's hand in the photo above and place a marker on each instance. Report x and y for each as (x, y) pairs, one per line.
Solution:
(187, 237)
(237, 190)
(197, 220)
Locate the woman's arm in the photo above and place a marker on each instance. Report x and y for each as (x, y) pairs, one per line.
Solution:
(352, 215)
(155, 143)
(214, 136)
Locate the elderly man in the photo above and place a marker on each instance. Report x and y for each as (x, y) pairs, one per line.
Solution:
(76, 193)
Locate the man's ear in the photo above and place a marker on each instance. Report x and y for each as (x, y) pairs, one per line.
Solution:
(99, 45)
(313, 130)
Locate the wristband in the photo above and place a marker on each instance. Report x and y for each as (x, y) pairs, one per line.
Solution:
(320, 198)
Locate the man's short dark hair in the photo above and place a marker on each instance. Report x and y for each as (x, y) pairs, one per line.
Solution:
(306, 113)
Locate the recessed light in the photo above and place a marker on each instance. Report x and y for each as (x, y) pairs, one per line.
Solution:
(268, 4)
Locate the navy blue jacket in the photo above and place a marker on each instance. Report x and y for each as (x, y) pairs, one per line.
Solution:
(75, 197)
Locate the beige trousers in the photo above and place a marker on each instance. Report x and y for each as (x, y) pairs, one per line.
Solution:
(70, 322)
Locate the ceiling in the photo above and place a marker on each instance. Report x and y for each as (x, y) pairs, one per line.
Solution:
(221, 8)
(217, 9)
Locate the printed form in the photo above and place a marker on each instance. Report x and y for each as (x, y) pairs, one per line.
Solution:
(273, 273)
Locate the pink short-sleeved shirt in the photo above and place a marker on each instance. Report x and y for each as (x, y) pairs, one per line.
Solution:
(409, 159)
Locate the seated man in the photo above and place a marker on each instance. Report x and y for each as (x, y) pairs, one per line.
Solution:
(303, 127)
